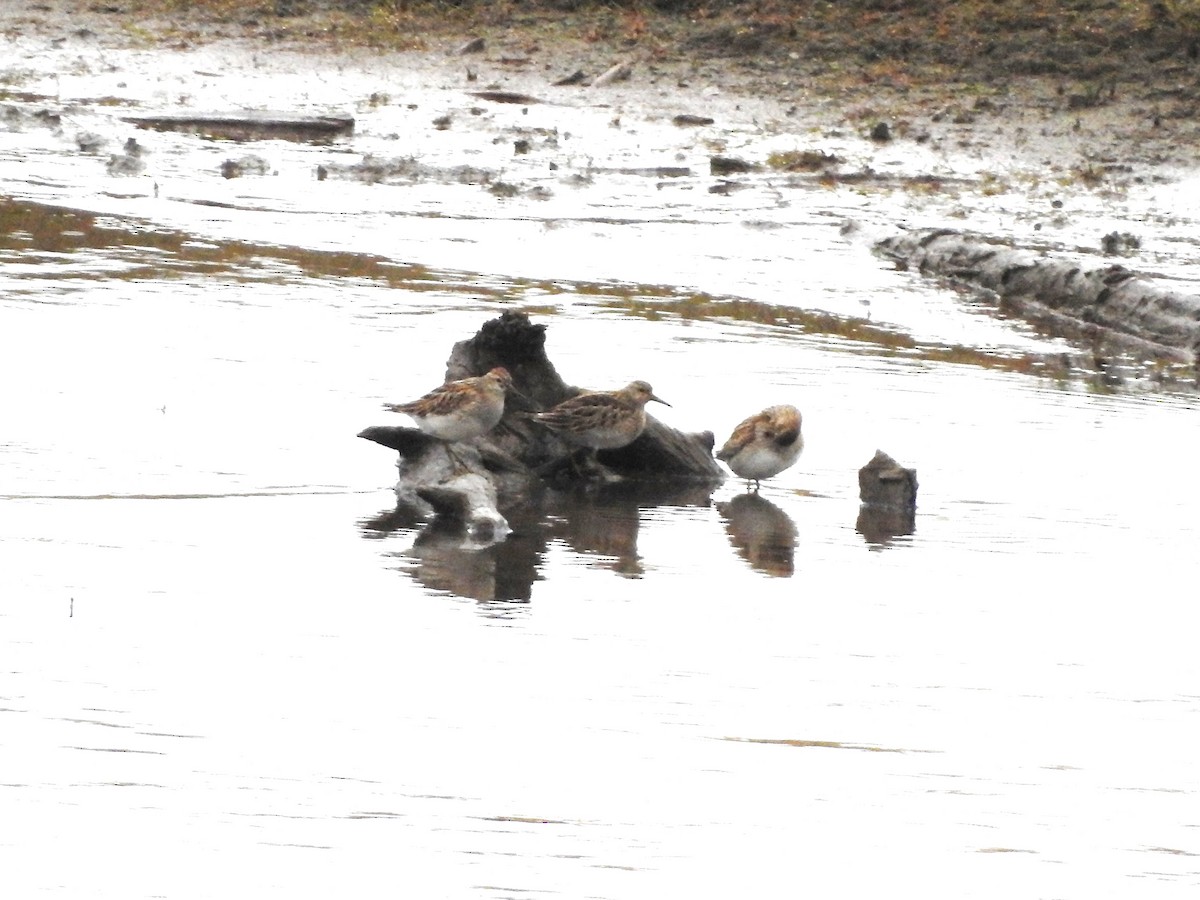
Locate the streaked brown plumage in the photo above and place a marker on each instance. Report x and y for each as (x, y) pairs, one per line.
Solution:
(602, 420)
(460, 410)
(764, 444)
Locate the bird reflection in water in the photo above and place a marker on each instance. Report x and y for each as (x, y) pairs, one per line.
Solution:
(447, 559)
(761, 533)
(600, 523)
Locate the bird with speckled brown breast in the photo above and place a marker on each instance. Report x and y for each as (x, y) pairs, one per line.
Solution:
(602, 420)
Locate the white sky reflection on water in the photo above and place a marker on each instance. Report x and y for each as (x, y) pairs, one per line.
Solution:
(250, 689)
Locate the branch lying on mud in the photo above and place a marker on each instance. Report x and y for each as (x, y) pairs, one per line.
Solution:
(1110, 305)
(249, 125)
(502, 468)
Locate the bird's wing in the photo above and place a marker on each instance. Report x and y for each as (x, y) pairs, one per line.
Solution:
(439, 402)
(582, 412)
(742, 435)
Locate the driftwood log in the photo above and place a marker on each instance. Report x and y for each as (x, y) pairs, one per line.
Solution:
(1109, 304)
(518, 456)
(249, 125)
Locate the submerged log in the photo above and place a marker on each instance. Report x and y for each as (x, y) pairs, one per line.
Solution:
(472, 480)
(1106, 303)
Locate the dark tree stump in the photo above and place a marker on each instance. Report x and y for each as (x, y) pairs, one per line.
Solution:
(883, 482)
(888, 492)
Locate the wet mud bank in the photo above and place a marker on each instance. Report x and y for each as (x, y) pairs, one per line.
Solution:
(729, 113)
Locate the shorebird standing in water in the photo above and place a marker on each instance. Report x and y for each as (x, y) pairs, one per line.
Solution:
(764, 444)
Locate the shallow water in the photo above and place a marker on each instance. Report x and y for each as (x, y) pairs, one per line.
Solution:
(229, 671)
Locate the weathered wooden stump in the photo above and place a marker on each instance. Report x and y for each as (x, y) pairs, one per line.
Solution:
(884, 482)
(478, 478)
(888, 492)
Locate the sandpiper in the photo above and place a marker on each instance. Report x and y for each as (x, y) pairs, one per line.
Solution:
(460, 410)
(764, 444)
(602, 420)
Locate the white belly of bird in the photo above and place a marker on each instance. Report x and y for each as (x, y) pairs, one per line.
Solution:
(611, 441)
(457, 428)
(763, 462)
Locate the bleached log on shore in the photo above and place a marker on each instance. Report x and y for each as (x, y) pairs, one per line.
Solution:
(1110, 303)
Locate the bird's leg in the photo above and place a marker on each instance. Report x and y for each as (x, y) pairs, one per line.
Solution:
(458, 467)
(578, 457)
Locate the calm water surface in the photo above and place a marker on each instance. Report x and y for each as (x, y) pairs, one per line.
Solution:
(228, 672)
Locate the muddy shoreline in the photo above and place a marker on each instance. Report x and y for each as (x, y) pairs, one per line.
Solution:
(1019, 80)
(1094, 98)
(1046, 109)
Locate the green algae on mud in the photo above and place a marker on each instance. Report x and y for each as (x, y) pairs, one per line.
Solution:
(34, 227)
(28, 227)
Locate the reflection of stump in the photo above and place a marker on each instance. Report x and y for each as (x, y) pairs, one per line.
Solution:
(513, 454)
(888, 492)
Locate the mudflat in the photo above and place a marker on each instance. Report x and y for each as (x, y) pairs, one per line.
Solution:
(1027, 78)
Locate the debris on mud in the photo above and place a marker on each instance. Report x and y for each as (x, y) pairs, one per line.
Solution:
(376, 170)
(474, 45)
(15, 118)
(619, 72)
(506, 97)
(576, 77)
(731, 165)
(129, 161)
(250, 164)
(249, 125)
